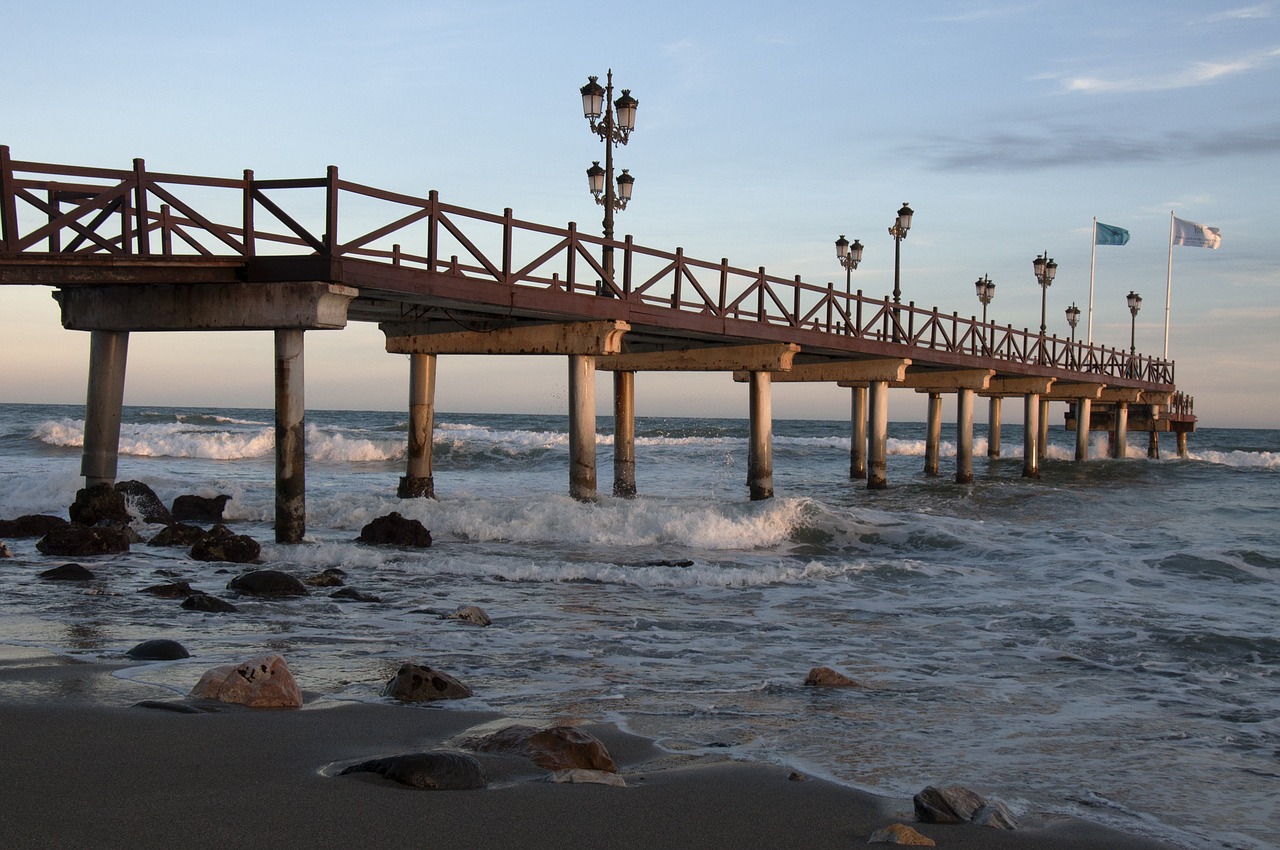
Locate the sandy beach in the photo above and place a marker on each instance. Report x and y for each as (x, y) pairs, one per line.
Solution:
(86, 766)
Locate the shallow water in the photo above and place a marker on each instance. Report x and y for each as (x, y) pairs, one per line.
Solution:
(1101, 642)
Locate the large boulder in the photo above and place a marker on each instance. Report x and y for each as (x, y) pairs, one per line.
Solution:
(267, 583)
(78, 541)
(222, 544)
(68, 572)
(30, 525)
(178, 534)
(144, 502)
(199, 508)
(159, 649)
(97, 503)
(395, 530)
(261, 682)
(957, 804)
(553, 748)
(438, 771)
(420, 683)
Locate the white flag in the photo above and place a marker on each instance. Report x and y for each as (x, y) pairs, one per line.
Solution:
(1195, 235)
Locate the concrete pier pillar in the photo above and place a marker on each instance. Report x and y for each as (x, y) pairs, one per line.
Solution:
(417, 481)
(878, 440)
(582, 427)
(964, 437)
(933, 434)
(108, 351)
(760, 452)
(1120, 442)
(624, 434)
(1084, 409)
(1031, 436)
(993, 426)
(858, 435)
(1182, 444)
(291, 445)
(1153, 445)
(1044, 427)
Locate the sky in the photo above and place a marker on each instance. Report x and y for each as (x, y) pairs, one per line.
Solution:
(764, 131)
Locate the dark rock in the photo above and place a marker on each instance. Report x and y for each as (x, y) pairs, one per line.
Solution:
(331, 577)
(436, 771)
(208, 604)
(470, 614)
(97, 503)
(172, 590)
(395, 530)
(160, 649)
(31, 525)
(199, 508)
(178, 534)
(222, 544)
(420, 683)
(825, 677)
(68, 572)
(144, 502)
(957, 804)
(553, 748)
(173, 705)
(77, 541)
(267, 583)
(353, 595)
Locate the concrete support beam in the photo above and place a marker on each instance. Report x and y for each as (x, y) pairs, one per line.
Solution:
(104, 400)
(1117, 395)
(848, 372)
(878, 441)
(1182, 444)
(742, 360)
(951, 379)
(993, 426)
(418, 481)
(760, 451)
(568, 338)
(858, 434)
(582, 427)
(1071, 390)
(933, 434)
(964, 436)
(1157, 398)
(307, 305)
(1031, 435)
(1153, 445)
(1084, 412)
(1017, 386)
(624, 434)
(291, 445)
(1120, 440)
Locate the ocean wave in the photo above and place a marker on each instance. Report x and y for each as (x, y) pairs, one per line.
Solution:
(1239, 459)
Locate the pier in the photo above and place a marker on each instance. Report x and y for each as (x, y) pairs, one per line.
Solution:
(129, 250)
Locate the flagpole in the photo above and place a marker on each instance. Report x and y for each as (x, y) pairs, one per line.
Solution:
(1168, 288)
(1093, 255)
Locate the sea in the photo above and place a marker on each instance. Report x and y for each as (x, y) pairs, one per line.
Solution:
(1103, 642)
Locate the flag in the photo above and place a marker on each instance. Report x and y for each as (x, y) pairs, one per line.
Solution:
(1105, 234)
(1194, 235)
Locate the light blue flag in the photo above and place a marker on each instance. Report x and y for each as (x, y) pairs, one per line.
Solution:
(1108, 235)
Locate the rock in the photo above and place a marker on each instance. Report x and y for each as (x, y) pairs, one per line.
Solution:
(579, 776)
(900, 833)
(78, 541)
(438, 771)
(352, 595)
(4, 551)
(222, 544)
(553, 748)
(261, 682)
(144, 502)
(178, 534)
(208, 604)
(68, 572)
(420, 683)
(199, 508)
(331, 577)
(160, 649)
(825, 677)
(172, 590)
(96, 503)
(267, 583)
(31, 525)
(957, 804)
(470, 614)
(395, 530)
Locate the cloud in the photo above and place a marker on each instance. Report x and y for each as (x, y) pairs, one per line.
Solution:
(985, 13)
(1195, 74)
(1068, 146)
(1244, 13)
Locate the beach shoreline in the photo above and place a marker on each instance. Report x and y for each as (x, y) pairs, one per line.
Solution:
(88, 766)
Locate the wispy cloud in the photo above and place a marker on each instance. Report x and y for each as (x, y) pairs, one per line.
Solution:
(1067, 146)
(1195, 74)
(985, 13)
(1244, 13)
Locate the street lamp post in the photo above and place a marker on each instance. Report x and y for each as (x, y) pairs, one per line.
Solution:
(1135, 304)
(986, 291)
(1045, 269)
(611, 120)
(898, 230)
(1073, 318)
(849, 257)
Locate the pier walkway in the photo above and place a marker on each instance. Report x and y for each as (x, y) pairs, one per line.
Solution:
(132, 251)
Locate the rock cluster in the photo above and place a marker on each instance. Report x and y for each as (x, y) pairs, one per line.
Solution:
(31, 525)
(74, 540)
